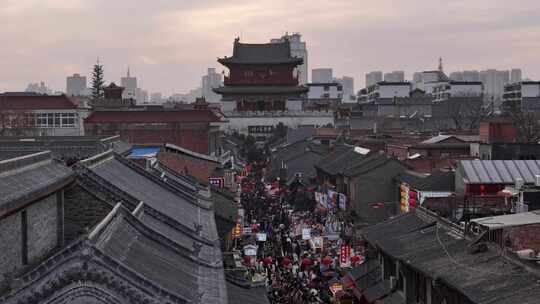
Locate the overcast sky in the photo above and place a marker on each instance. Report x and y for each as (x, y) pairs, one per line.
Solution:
(169, 43)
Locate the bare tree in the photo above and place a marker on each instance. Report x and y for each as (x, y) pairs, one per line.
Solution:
(527, 122)
(16, 123)
(464, 113)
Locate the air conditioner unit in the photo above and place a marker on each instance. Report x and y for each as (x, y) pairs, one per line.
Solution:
(299, 174)
(519, 183)
(537, 180)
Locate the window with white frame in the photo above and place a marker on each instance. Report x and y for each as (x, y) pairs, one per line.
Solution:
(56, 120)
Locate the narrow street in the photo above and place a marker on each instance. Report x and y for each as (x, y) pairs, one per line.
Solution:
(301, 253)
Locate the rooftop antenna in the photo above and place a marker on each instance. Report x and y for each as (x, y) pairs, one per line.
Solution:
(440, 65)
(128, 72)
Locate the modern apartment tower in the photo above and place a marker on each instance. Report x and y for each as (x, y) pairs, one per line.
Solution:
(298, 49)
(76, 85)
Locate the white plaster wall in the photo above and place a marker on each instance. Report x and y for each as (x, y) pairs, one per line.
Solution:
(530, 90)
(241, 124)
(466, 90)
(389, 91)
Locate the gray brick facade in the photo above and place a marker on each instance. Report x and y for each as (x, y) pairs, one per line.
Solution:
(10, 246)
(82, 211)
(42, 226)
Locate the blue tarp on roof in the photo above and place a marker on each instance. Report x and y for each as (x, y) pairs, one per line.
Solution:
(144, 152)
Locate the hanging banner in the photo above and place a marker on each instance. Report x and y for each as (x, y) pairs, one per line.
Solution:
(317, 242)
(217, 181)
(250, 250)
(345, 256)
(237, 230)
(342, 201)
(306, 233)
(261, 237)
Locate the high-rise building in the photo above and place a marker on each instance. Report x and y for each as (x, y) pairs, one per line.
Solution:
(373, 77)
(298, 49)
(347, 83)
(395, 76)
(471, 76)
(76, 85)
(130, 86)
(515, 75)
(466, 76)
(141, 96)
(211, 81)
(321, 75)
(417, 77)
(456, 76)
(494, 82)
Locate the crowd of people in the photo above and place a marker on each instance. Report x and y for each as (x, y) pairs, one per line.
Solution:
(297, 251)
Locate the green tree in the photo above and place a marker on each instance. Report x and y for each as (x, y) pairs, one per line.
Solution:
(97, 81)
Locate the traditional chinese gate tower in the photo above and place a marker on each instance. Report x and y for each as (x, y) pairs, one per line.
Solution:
(262, 78)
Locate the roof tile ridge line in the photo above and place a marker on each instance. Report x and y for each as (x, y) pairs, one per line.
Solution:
(197, 197)
(166, 169)
(27, 278)
(138, 210)
(25, 162)
(157, 236)
(97, 159)
(112, 189)
(94, 234)
(105, 139)
(167, 220)
(131, 272)
(195, 194)
(192, 153)
(115, 191)
(160, 182)
(101, 225)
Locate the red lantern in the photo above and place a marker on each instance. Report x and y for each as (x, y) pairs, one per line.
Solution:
(355, 259)
(247, 259)
(327, 260)
(285, 262)
(267, 261)
(306, 262)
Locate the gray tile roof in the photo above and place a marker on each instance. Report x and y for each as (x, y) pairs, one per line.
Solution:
(482, 277)
(273, 89)
(498, 171)
(127, 240)
(436, 181)
(337, 161)
(154, 193)
(299, 134)
(265, 53)
(30, 177)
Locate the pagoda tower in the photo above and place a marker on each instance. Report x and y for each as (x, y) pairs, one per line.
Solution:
(261, 78)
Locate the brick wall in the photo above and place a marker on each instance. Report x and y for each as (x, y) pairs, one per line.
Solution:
(525, 237)
(82, 211)
(41, 235)
(193, 136)
(42, 227)
(10, 245)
